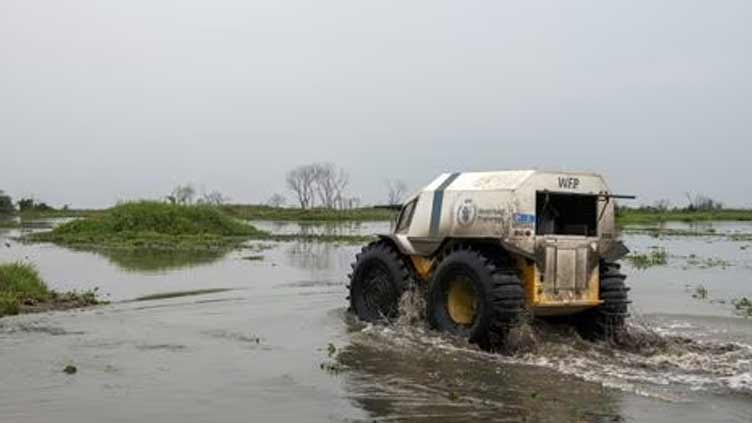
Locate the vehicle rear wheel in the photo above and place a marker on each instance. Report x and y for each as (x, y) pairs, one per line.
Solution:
(378, 280)
(475, 295)
(607, 321)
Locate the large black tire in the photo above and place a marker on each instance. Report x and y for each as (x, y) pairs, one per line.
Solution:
(607, 321)
(498, 296)
(379, 278)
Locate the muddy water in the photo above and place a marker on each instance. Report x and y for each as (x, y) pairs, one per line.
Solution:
(257, 347)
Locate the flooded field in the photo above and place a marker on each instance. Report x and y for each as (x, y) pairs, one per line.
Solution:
(262, 334)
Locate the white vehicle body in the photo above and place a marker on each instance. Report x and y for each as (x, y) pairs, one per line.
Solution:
(556, 225)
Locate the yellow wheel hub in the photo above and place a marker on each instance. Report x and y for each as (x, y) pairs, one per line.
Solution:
(461, 301)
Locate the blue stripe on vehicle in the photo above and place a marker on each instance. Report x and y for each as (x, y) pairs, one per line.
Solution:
(438, 203)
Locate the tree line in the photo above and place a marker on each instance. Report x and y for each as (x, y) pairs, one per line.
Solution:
(324, 185)
(312, 185)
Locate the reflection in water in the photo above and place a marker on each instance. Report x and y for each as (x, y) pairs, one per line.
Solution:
(142, 260)
(311, 255)
(417, 378)
(322, 228)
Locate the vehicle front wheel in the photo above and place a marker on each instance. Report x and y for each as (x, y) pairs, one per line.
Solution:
(378, 280)
(475, 295)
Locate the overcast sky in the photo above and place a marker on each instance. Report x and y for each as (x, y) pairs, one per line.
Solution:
(108, 100)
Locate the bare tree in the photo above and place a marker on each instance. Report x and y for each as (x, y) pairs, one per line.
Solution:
(301, 181)
(396, 190)
(182, 194)
(213, 198)
(330, 184)
(702, 203)
(349, 203)
(276, 200)
(662, 205)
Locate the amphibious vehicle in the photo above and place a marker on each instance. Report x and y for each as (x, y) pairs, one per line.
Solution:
(487, 248)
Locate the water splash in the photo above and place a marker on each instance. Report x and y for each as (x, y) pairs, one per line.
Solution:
(649, 360)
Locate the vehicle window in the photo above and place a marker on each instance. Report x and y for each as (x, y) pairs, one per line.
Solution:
(406, 216)
(566, 214)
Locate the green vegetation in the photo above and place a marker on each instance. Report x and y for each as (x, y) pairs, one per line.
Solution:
(701, 293)
(22, 280)
(148, 226)
(646, 216)
(743, 307)
(153, 225)
(23, 290)
(656, 257)
(706, 263)
(9, 223)
(256, 212)
(6, 203)
(57, 213)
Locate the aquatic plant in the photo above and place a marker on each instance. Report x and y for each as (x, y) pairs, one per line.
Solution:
(700, 293)
(706, 263)
(743, 306)
(656, 257)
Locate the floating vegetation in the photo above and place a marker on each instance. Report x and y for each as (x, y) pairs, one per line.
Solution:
(700, 293)
(706, 263)
(9, 224)
(743, 306)
(695, 231)
(656, 257)
(332, 365)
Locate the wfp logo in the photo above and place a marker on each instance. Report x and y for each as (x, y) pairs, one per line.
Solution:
(466, 213)
(569, 183)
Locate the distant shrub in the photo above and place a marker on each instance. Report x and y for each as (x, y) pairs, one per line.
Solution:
(159, 218)
(6, 203)
(29, 204)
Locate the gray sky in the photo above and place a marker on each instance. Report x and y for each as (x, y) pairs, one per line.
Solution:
(107, 100)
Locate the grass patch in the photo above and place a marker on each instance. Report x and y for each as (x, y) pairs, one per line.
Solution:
(9, 224)
(153, 225)
(656, 257)
(257, 212)
(645, 217)
(22, 281)
(148, 226)
(35, 214)
(23, 290)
